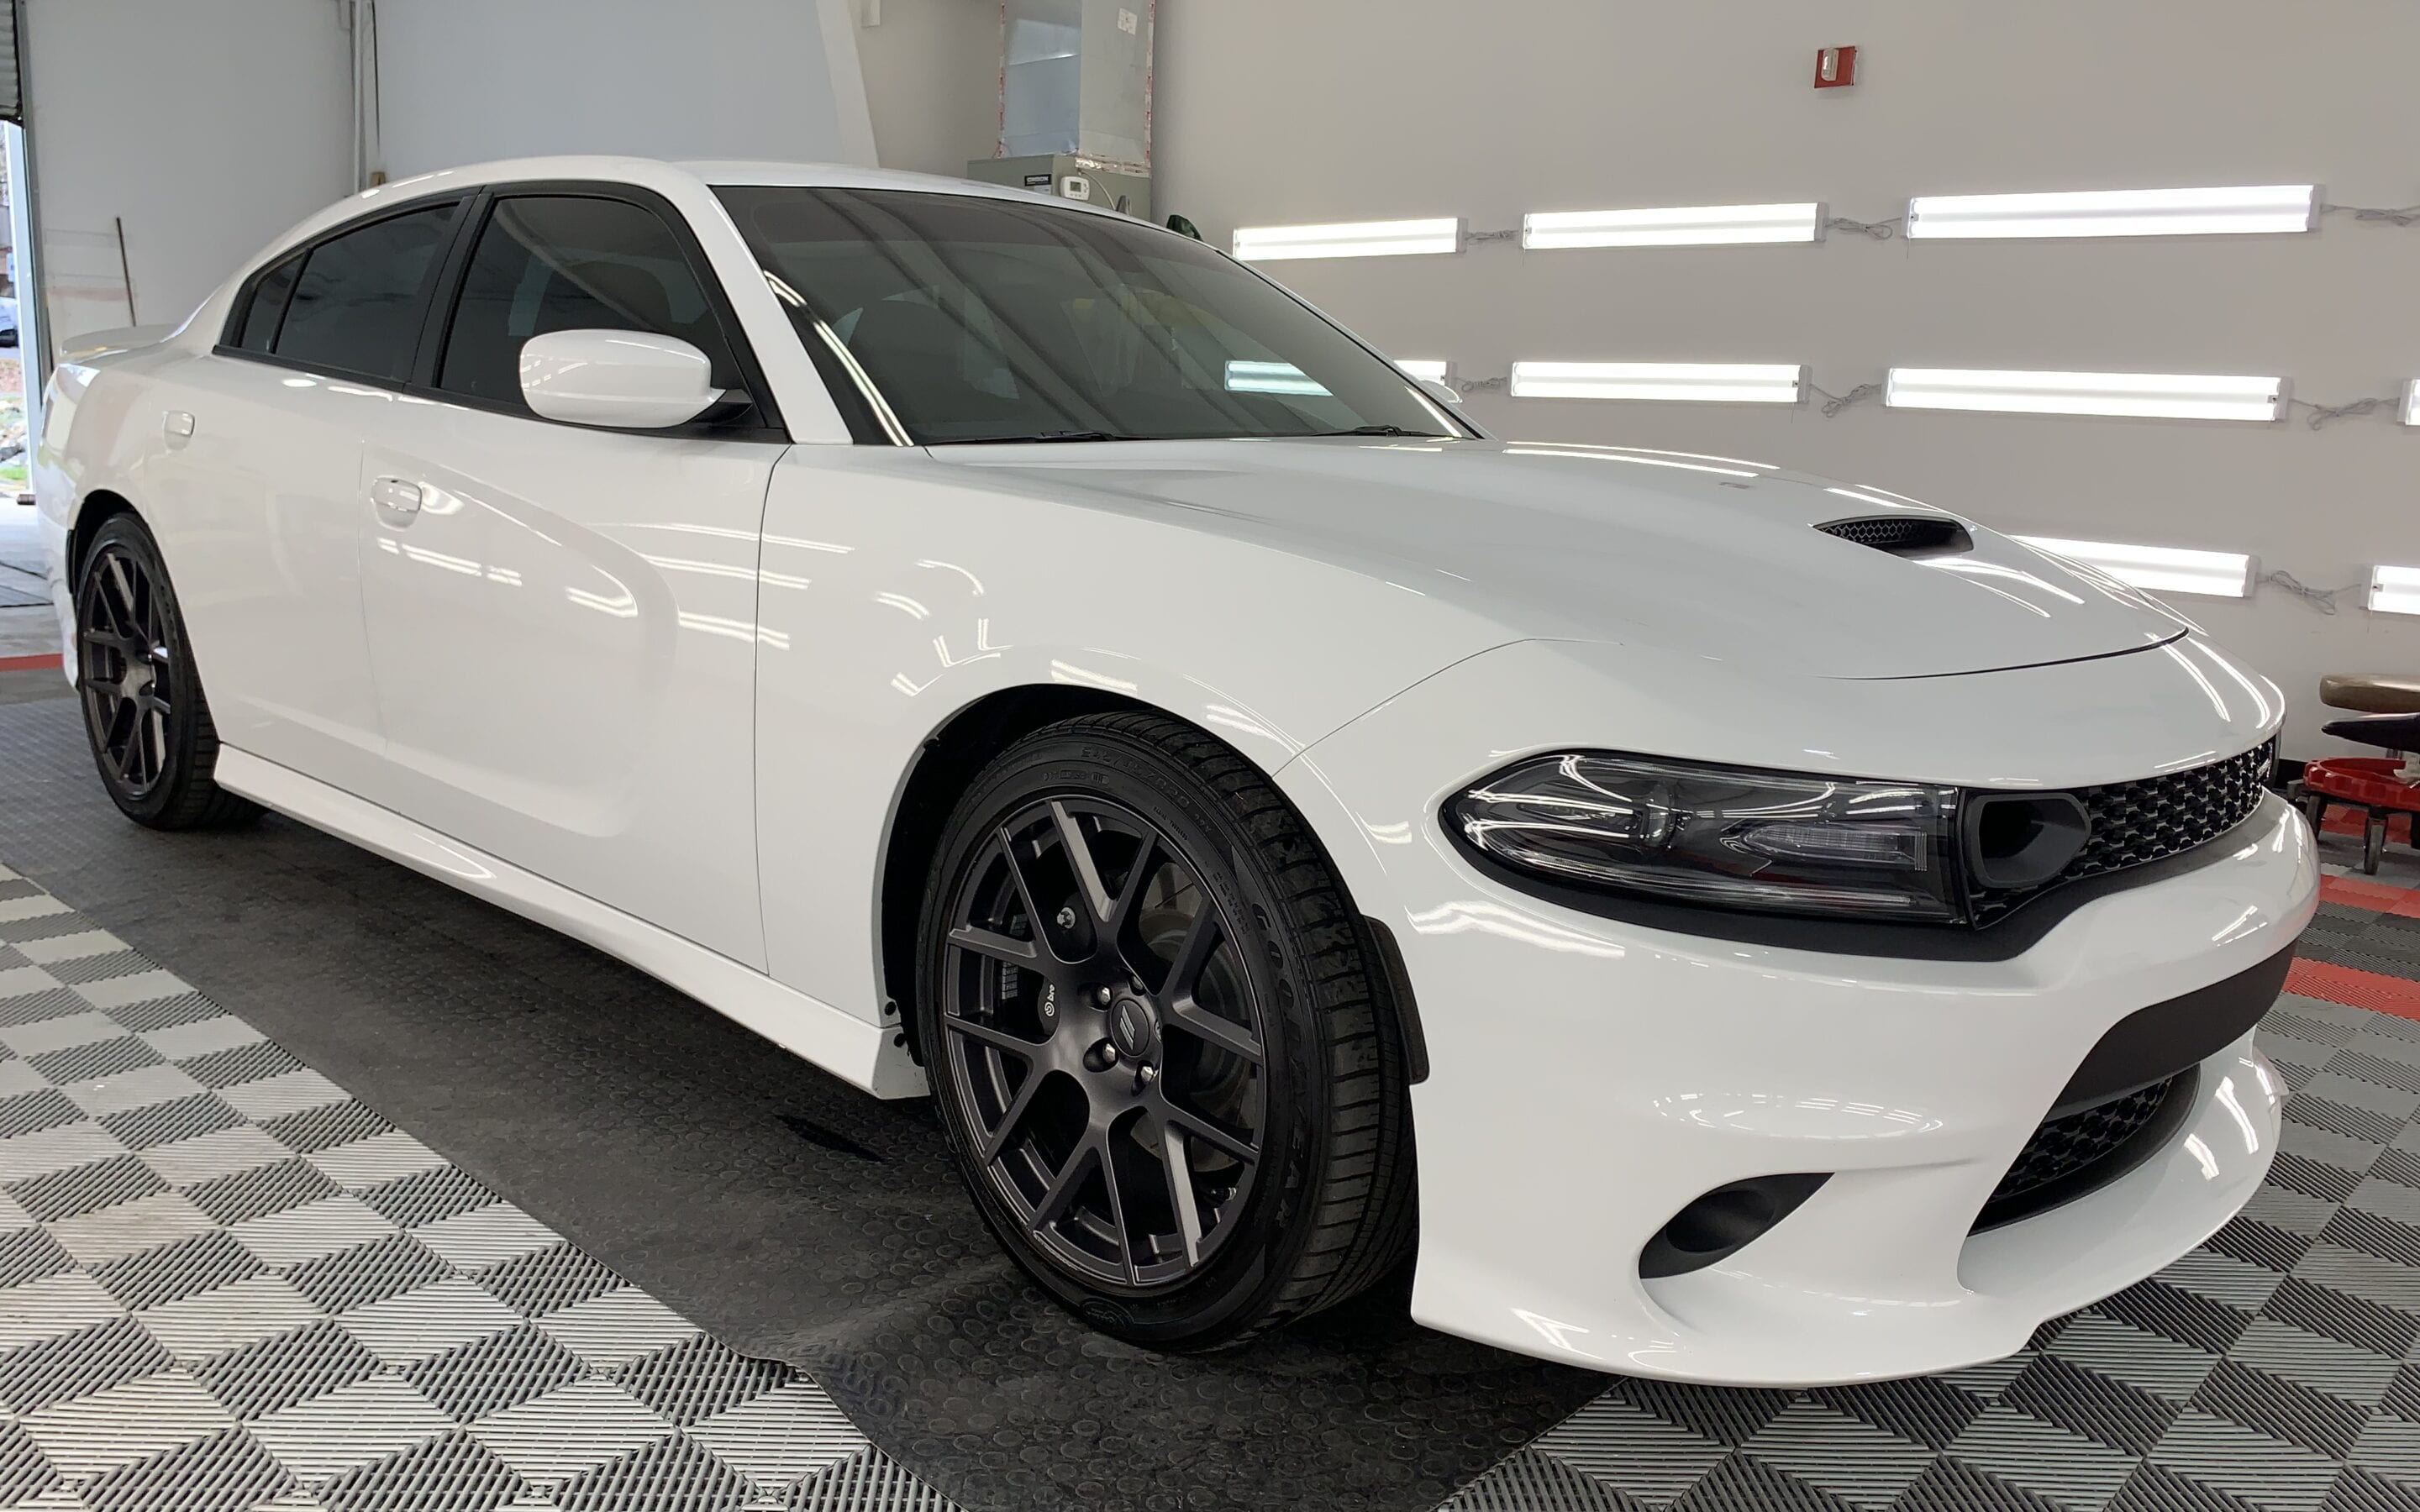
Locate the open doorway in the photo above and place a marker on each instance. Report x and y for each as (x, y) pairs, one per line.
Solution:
(29, 635)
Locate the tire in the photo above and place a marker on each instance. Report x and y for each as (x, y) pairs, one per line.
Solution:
(1233, 1062)
(155, 753)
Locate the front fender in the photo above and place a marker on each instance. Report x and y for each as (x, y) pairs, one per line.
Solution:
(897, 593)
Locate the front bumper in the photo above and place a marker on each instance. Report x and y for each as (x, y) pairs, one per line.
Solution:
(1591, 1077)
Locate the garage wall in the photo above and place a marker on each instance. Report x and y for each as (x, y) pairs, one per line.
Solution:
(466, 81)
(932, 82)
(209, 129)
(1281, 111)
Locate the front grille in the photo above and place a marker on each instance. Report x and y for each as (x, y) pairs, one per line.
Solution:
(2067, 1157)
(2147, 820)
(1903, 535)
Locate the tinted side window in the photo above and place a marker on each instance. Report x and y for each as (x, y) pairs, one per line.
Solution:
(356, 306)
(263, 317)
(569, 263)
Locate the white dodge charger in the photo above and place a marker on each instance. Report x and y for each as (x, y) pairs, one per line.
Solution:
(1708, 921)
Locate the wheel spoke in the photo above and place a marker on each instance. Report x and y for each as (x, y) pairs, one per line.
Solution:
(1109, 1144)
(1079, 855)
(996, 945)
(1061, 1189)
(122, 612)
(1129, 898)
(996, 1142)
(1201, 941)
(1177, 1155)
(119, 739)
(157, 728)
(1189, 1017)
(1026, 1050)
(1210, 1134)
(1049, 958)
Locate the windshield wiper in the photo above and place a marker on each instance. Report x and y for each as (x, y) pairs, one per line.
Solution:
(1038, 435)
(1382, 430)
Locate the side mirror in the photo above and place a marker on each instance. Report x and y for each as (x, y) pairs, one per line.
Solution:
(1444, 393)
(627, 379)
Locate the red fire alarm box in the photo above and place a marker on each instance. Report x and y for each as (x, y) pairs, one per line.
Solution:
(1836, 67)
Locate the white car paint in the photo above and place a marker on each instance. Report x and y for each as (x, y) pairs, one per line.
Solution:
(665, 694)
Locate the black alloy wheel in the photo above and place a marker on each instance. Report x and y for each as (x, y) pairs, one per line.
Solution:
(1106, 1051)
(149, 726)
(1111, 952)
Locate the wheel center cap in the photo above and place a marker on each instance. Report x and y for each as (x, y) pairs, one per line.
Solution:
(1134, 1028)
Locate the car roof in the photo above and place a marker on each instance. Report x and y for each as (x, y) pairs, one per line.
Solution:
(718, 173)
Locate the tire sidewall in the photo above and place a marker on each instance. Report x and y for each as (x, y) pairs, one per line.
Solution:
(128, 533)
(1227, 1295)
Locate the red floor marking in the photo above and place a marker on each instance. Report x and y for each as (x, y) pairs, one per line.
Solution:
(28, 664)
(2377, 897)
(2354, 989)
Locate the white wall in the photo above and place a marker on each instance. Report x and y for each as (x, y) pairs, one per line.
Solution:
(464, 81)
(932, 82)
(209, 129)
(1278, 111)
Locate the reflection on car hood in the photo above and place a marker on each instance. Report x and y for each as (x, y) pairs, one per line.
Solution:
(1698, 554)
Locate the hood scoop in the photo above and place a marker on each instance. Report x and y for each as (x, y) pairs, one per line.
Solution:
(1904, 535)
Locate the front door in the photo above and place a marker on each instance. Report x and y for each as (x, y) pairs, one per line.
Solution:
(562, 621)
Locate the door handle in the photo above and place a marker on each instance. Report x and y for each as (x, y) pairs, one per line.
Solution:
(398, 499)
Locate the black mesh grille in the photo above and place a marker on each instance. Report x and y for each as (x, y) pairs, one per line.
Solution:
(2147, 820)
(1903, 534)
(2065, 1156)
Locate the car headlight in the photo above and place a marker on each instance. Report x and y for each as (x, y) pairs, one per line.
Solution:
(1723, 837)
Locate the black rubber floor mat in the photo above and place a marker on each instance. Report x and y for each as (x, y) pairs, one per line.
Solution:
(789, 1214)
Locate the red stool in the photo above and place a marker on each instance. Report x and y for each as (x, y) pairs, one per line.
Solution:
(2373, 784)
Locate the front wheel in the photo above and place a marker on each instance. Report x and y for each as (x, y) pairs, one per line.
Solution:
(1162, 1059)
(143, 708)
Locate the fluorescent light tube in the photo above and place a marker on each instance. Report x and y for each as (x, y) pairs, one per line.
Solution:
(1693, 382)
(1430, 370)
(1686, 226)
(2412, 403)
(2394, 590)
(1271, 378)
(2159, 395)
(2162, 569)
(1355, 239)
(2117, 212)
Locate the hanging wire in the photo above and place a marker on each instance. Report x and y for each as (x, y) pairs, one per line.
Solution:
(2322, 413)
(2402, 215)
(1834, 403)
(2322, 600)
(1879, 230)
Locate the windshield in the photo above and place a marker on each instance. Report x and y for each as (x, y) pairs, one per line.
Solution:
(960, 318)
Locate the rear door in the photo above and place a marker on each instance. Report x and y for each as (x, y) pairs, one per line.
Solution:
(261, 447)
(562, 620)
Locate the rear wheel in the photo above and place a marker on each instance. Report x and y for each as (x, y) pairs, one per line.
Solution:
(149, 726)
(1160, 1053)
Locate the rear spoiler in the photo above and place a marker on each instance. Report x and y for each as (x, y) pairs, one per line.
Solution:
(117, 339)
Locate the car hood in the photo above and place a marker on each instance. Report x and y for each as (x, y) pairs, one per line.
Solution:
(1705, 555)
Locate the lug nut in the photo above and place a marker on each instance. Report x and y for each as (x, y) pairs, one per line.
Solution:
(1146, 1074)
(1101, 996)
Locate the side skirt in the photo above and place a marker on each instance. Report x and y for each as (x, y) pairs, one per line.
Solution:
(847, 1047)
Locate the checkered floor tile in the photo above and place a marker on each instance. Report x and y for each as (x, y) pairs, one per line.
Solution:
(225, 1285)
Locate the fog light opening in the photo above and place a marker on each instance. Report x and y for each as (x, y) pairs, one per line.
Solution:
(1724, 1222)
